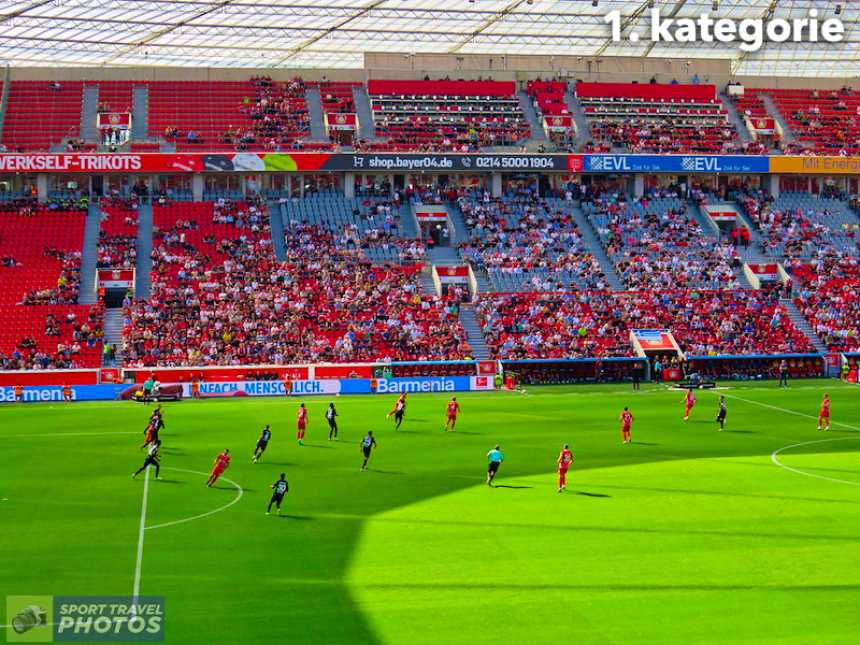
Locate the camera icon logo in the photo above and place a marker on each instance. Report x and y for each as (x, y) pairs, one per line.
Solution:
(30, 619)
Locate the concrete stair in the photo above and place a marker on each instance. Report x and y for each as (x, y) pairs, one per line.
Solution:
(774, 111)
(113, 325)
(589, 236)
(461, 231)
(482, 279)
(802, 324)
(366, 127)
(427, 286)
(316, 114)
(534, 121)
(735, 118)
(89, 113)
(408, 223)
(583, 133)
(276, 222)
(143, 281)
(140, 113)
(444, 256)
(89, 256)
(474, 334)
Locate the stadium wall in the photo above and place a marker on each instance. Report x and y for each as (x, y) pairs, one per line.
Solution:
(406, 66)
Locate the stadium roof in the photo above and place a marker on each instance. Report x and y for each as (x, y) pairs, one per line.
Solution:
(336, 33)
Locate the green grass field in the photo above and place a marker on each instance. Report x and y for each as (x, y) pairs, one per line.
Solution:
(686, 535)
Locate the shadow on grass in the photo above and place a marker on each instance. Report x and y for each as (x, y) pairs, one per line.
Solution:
(510, 486)
(587, 494)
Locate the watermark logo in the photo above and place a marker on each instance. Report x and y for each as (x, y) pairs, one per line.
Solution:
(57, 619)
(30, 619)
(750, 34)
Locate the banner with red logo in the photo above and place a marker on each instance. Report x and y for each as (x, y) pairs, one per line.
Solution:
(764, 125)
(558, 123)
(768, 272)
(115, 278)
(452, 274)
(339, 121)
(120, 120)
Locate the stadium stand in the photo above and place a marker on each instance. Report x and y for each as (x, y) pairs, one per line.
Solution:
(446, 115)
(655, 243)
(828, 294)
(825, 121)
(528, 244)
(220, 298)
(252, 115)
(797, 224)
(598, 324)
(117, 245)
(656, 118)
(40, 115)
(43, 327)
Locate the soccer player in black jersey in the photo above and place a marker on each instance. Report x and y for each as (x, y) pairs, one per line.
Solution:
(331, 417)
(721, 415)
(367, 445)
(280, 487)
(262, 444)
(151, 459)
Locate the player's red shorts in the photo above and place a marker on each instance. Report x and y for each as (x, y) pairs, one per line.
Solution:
(149, 437)
(301, 425)
(563, 471)
(824, 414)
(217, 471)
(452, 417)
(625, 428)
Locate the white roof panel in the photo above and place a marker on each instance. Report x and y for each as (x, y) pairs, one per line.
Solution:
(336, 33)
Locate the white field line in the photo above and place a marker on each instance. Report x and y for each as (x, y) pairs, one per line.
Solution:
(239, 492)
(787, 411)
(135, 596)
(774, 457)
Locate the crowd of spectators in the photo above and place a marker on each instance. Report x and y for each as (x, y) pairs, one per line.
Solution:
(784, 232)
(278, 112)
(657, 244)
(68, 282)
(75, 336)
(704, 323)
(522, 234)
(827, 292)
(219, 297)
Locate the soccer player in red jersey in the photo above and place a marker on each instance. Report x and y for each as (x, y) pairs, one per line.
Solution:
(301, 424)
(689, 402)
(452, 411)
(626, 421)
(398, 410)
(222, 462)
(565, 459)
(824, 413)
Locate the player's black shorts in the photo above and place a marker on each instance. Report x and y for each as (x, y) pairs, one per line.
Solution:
(332, 423)
(398, 415)
(494, 466)
(261, 445)
(277, 498)
(150, 461)
(366, 452)
(721, 416)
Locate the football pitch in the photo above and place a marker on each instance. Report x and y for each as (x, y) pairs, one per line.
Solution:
(686, 535)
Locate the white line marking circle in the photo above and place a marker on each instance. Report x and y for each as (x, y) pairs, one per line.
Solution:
(239, 492)
(775, 460)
